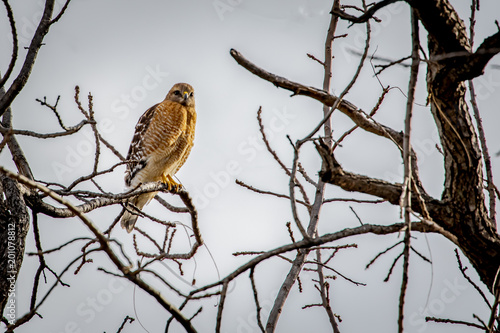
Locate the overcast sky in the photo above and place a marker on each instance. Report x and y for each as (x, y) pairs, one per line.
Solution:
(128, 54)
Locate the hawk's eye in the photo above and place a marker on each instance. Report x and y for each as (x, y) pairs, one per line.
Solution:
(191, 95)
(177, 93)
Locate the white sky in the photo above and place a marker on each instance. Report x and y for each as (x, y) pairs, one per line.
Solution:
(128, 54)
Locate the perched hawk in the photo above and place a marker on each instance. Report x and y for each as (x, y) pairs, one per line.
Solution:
(162, 141)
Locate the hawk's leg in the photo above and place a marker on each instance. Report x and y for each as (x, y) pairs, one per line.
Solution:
(171, 183)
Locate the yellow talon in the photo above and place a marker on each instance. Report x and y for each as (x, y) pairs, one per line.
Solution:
(164, 179)
(171, 183)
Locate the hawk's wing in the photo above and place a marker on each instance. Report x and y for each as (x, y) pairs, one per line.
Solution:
(156, 131)
(136, 153)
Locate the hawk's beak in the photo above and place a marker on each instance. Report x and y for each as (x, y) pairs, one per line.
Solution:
(185, 95)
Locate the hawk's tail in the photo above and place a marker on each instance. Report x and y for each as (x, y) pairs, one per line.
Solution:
(128, 220)
(129, 217)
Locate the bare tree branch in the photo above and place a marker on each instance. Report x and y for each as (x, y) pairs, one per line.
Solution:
(319, 195)
(367, 14)
(61, 12)
(13, 58)
(105, 246)
(323, 287)
(70, 131)
(256, 299)
(357, 115)
(221, 306)
(311, 243)
(450, 321)
(480, 130)
(278, 195)
(36, 44)
(14, 147)
(408, 179)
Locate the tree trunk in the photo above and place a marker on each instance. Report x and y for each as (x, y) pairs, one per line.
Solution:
(463, 188)
(14, 225)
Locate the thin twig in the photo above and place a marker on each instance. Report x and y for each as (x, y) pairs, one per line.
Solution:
(482, 138)
(59, 247)
(450, 321)
(486, 156)
(276, 157)
(92, 176)
(291, 188)
(391, 63)
(367, 14)
(256, 299)
(61, 13)
(54, 109)
(462, 270)
(112, 148)
(407, 160)
(392, 267)
(127, 318)
(13, 57)
(382, 253)
(338, 273)
(310, 56)
(372, 113)
(71, 130)
(29, 61)
(376, 201)
(325, 293)
(355, 214)
(306, 176)
(223, 295)
(424, 258)
(290, 231)
(251, 188)
(479, 319)
(494, 308)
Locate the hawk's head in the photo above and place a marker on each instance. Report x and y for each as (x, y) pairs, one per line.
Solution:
(181, 93)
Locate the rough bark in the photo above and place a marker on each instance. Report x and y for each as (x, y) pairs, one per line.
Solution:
(14, 217)
(463, 191)
(14, 225)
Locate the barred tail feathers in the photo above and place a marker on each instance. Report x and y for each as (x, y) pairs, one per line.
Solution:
(129, 218)
(128, 221)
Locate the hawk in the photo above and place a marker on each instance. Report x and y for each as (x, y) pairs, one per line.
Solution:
(163, 139)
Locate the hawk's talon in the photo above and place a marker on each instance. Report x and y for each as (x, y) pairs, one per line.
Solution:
(172, 185)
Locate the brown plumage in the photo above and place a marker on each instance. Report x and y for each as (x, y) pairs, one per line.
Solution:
(163, 139)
